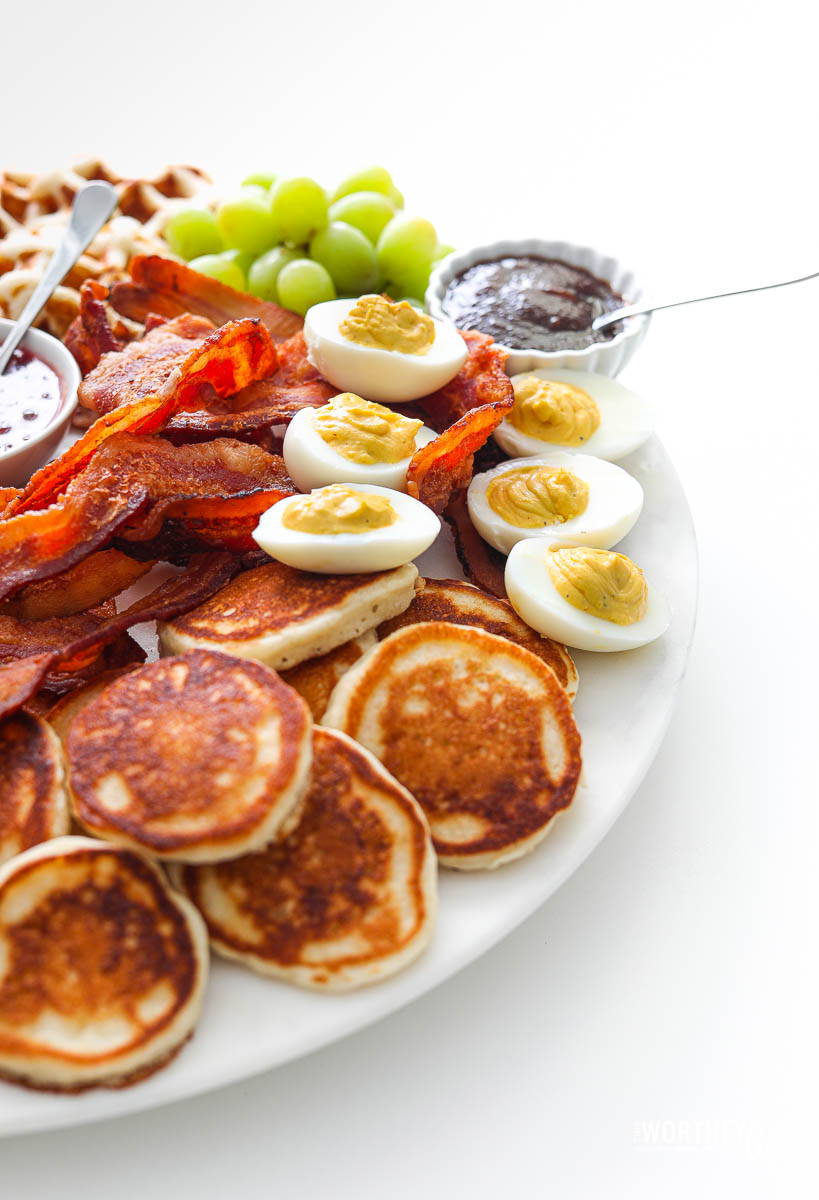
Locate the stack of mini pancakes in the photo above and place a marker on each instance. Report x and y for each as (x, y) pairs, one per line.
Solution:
(279, 784)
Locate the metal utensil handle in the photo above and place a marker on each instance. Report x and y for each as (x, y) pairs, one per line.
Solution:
(92, 207)
(639, 310)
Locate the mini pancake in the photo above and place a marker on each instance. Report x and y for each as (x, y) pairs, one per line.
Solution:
(347, 898)
(33, 800)
(102, 966)
(68, 707)
(198, 758)
(282, 616)
(477, 728)
(463, 604)
(315, 679)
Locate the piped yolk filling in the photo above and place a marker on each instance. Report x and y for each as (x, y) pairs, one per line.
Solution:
(599, 582)
(364, 432)
(339, 509)
(559, 413)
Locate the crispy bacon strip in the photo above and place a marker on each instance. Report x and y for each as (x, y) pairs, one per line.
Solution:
(440, 467)
(215, 491)
(97, 329)
(143, 367)
(481, 380)
(6, 497)
(255, 408)
(228, 360)
(38, 545)
(481, 564)
(97, 578)
(23, 639)
(188, 291)
(20, 680)
(130, 487)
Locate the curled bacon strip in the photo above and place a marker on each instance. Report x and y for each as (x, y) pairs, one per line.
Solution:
(481, 380)
(481, 564)
(228, 360)
(216, 491)
(440, 467)
(96, 578)
(21, 680)
(170, 288)
(144, 366)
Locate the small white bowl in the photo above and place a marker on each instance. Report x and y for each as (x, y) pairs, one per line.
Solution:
(17, 466)
(607, 358)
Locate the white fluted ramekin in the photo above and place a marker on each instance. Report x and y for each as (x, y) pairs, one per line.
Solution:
(607, 358)
(16, 466)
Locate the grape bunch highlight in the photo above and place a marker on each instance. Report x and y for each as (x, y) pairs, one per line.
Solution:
(290, 241)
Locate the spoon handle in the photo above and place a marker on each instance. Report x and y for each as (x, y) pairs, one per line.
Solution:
(639, 310)
(92, 207)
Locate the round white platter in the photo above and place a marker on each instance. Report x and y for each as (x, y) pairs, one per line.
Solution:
(624, 705)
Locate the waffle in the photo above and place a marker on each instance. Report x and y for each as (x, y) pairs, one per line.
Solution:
(34, 211)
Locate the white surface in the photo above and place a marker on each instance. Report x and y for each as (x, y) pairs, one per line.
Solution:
(668, 990)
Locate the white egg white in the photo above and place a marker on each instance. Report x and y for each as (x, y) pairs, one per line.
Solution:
(311, 462)
(350, 553)
(535, 598)
(615, 503)
(625, 418)
(388, 376)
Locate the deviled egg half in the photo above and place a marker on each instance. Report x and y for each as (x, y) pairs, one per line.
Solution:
(575, 411)
(382, 350)
(350, 440)
(570, 499)
(585, 597)
(347, 529)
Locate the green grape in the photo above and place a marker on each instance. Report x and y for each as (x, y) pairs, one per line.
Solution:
(303, 283)
(221, 267)
(348, 255)
(262, 276)
(299, 209)
(259, 179)
(246, 224)
(368, 211)
(369, 179)
(193, 231)
(441, 251)
(405, 251)
(396, 196)
(243, 260)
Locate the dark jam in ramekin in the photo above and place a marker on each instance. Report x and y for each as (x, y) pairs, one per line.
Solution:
(532, 303)
(29, 399)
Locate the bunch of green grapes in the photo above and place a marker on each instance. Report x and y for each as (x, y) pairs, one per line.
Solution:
(290, 241)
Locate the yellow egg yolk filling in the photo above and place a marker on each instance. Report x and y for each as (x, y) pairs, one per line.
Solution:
(364, 432)
(381, 324)
(554, 412)
(339, 509)
(600, 582)
(531, 497)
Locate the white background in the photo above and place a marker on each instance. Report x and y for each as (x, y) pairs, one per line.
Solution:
(669, 990)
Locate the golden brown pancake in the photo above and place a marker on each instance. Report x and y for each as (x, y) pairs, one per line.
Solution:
(102, 966)
(197, 758)
(33, 800)
(315, 679)
(346, 898)
(282, 616)
(462, 604)
(61, 714)
(477, 728)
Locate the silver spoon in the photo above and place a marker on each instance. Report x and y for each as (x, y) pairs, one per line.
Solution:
(93, 205)
(639, 310)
